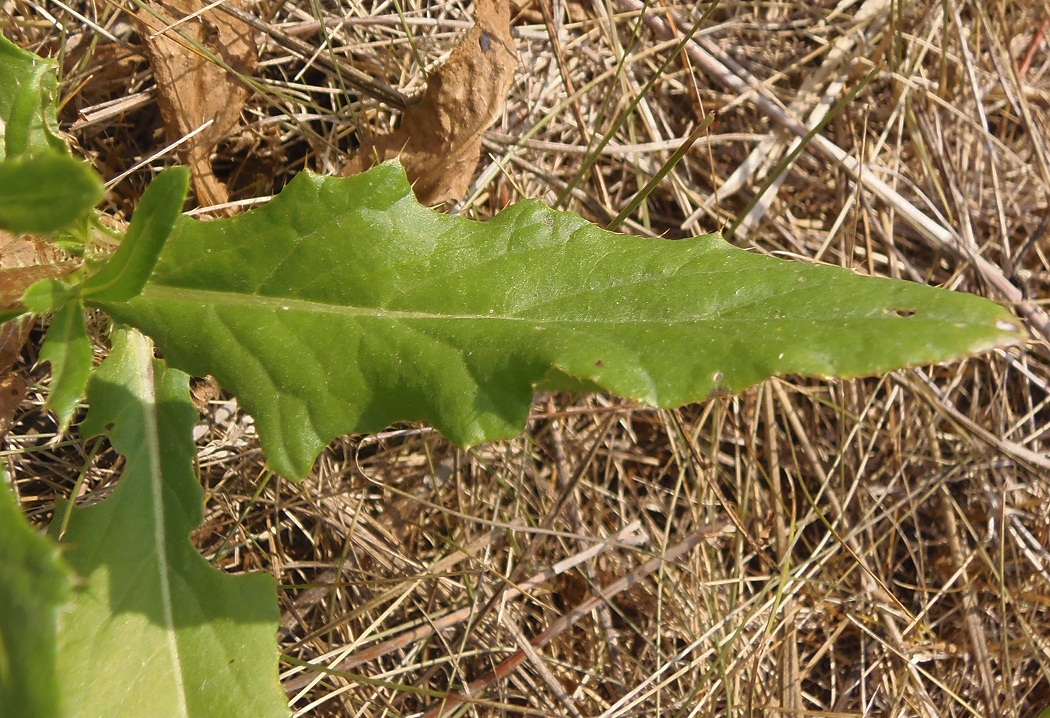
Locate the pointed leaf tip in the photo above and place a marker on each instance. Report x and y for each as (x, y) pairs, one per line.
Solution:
(343, 306)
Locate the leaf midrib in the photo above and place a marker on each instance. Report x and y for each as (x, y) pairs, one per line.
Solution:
(147, 390)
(212, 298)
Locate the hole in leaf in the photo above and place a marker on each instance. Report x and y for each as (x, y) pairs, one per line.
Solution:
(900, 312)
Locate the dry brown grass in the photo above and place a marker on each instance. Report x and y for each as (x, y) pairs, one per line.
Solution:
(874, 547)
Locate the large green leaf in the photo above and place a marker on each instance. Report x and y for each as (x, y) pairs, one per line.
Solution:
(343, 305)
(33, 583)
(153, 629)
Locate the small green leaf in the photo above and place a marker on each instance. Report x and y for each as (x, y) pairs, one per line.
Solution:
(124, 273)
(47, 295)
(343, 306)
(153, 629)
(46, 192)
(33, 584)
(68, 348)
(28, 88)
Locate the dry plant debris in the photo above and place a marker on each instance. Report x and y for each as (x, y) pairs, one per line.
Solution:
(196, 53)
(439, 139)
(889, 545)
(13, 336)
(23, 261)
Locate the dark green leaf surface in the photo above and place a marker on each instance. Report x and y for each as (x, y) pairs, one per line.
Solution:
(153, 629)
(125, 272)
(33, 583)
(46, 192)
(343, 306)
(68, 349)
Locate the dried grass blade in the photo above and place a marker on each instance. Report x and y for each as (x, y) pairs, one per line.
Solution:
(578, 612)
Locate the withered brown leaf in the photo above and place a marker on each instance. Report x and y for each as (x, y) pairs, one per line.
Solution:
(191, 87)
(23, 261)
(12, 391)
(439, 140)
